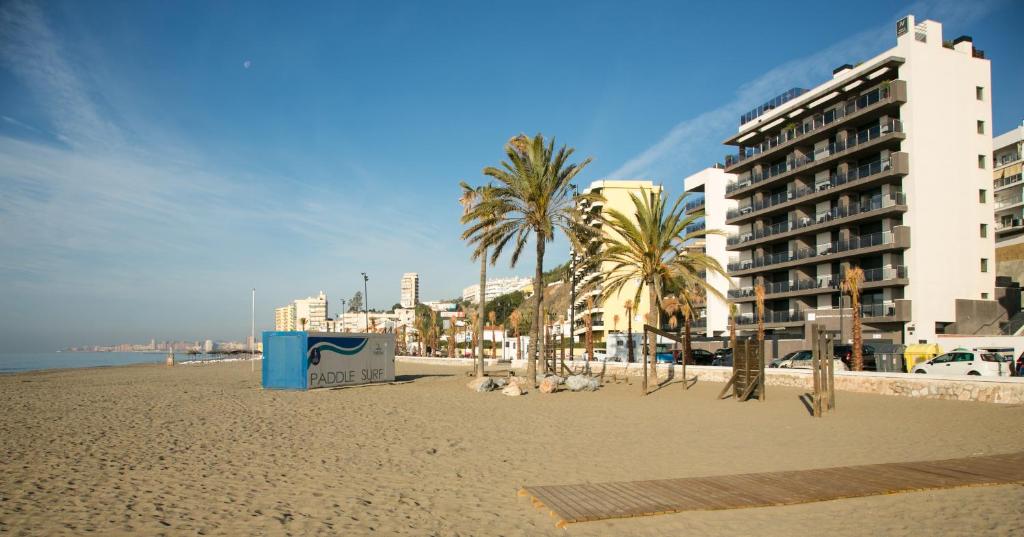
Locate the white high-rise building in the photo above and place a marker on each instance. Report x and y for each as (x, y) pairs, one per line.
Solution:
(886, 167)
(707, 190)
(312, 310)
(410, 290)
(495, 288)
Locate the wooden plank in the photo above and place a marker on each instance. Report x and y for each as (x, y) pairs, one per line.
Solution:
(596, 501)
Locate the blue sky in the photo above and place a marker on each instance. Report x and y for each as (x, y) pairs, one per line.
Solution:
(158, 160)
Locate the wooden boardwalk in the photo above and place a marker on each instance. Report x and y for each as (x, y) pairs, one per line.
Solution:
(598, 501)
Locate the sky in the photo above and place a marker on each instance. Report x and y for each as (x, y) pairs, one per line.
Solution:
(159, 160)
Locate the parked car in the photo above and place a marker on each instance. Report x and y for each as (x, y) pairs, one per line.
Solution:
(1020, 365)
(701, 357)
(725, 360)
(845, 353)
(775, 362)
(964, 362)
(599, 356)
(802, 360)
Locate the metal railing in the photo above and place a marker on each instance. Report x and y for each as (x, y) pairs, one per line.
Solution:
(885, 309)
(815, 124)
(835, 148)
(835, 180)
(694, 205)
(875, 203)
(828, 248)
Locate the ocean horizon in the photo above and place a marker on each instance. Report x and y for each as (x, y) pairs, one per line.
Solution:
(35, 361)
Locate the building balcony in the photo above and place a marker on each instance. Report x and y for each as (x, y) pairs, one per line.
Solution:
(842, 215)
(897, 165)
(870, 139)
(819, 126)
(1007, 182)
(1008, 203)
(884, 312)
(897, 239)
(873, 278)
(772, 319)
(1009, 228)
(694, 205)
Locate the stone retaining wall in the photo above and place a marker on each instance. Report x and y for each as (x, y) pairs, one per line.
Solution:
(1006, 390)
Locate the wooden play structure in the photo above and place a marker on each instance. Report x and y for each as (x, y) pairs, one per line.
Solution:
(823, 398)
(747, 379)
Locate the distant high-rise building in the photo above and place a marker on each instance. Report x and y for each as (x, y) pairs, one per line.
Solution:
(495, 288)
(410, 290)
(312, 310)
(208, 346)
(284, 318)
(706, 191)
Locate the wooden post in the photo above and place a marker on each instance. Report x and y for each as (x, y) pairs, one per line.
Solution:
(831, 374)
(816, 371)
(760, 375)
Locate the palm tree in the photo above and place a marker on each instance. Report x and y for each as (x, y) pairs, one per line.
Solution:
(451, 337)
(852, 280)
(514, 318)
(759, 298)
(473, 197)
(492, 316)
(303, 322)
(629, 335)
(588, 320)
(649, 247)
(532, 196)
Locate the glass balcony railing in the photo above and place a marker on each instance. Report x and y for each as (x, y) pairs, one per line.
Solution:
(791, 316)
(694, 228)
(824, 249)
(829, 281)
(833, 149)
(835, 180)
(694, 205)
(1006, 202)
(816, 123)
(874, 203)
(883, 309)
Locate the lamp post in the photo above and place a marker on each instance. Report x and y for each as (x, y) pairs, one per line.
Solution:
(366, 302)
(343, 316)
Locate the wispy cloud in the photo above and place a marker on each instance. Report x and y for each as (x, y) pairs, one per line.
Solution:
(695, 142)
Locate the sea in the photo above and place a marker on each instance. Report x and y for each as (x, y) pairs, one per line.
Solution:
(34, 361)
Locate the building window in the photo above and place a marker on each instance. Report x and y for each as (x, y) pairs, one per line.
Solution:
(979, 93)
(981, 161)
(984, 264)
(984, 296)
(981, 127)
(981, 195)
(984, 230)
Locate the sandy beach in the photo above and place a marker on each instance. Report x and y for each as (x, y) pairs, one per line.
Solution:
(202, 450)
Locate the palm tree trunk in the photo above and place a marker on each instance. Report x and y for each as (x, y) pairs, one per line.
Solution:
(687, 347)
(537, 346)
(652, 338)
(480, 328)
(858, 357)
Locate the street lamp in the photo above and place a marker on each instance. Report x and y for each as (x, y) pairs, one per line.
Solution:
(366, 302)
(343, 316)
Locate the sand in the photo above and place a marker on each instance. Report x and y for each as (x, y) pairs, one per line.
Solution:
(203, 450)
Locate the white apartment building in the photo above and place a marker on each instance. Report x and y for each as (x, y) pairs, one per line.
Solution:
(410, 290)
(495, 288)
(705, 191)
(887, 166)
(1007, 187)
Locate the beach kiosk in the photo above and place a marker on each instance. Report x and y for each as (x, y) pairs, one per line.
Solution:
(307, 360)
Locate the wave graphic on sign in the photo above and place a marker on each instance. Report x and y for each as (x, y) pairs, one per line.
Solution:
(356, 345)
